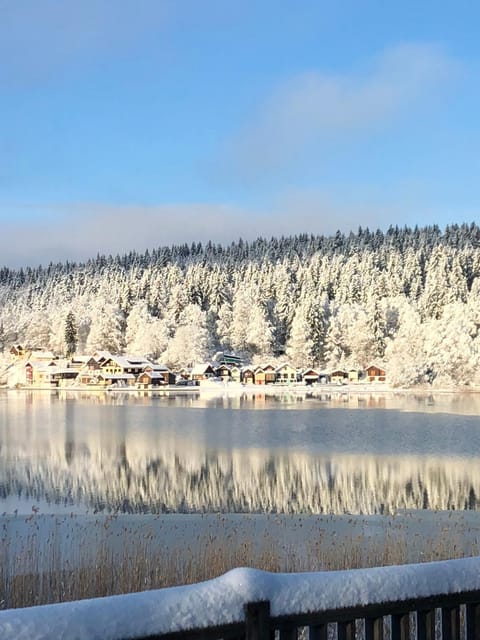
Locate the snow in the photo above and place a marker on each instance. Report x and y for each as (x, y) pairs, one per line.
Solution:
(221, 601)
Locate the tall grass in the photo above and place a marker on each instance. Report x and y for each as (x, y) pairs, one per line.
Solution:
(38, 574)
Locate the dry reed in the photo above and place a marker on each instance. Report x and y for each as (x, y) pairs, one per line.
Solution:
(38, 575)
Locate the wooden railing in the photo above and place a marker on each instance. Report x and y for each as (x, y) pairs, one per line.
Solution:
(434, 601)
(444, 617)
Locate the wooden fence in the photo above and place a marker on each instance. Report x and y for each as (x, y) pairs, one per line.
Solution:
(247, 604)
(443, 617)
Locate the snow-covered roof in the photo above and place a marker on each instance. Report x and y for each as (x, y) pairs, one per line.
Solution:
(376, 365)
(102, 355)
(221, 601)
(154, 375)
(198, 369)
(264, 367)
(158, 367)
(41, 365)
(121, 361)
(137, 360)
(42, 355)
(285, 365)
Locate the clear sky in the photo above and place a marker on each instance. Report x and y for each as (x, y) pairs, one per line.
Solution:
(129, 124)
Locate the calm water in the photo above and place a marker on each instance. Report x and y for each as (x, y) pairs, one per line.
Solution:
(188, 453)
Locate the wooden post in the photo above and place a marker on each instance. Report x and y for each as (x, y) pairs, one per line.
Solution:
(373, 628)
(318, 632)
(346, 630)
(473, 621)
(257, 620)
(400, 626)
(426, 624)
(451, 623)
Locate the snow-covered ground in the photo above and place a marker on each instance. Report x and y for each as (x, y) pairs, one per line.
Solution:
(221, 601)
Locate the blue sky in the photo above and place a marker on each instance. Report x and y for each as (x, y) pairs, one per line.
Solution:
(128, 124)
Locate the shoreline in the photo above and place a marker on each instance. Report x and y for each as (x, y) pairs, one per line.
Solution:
(273, 389)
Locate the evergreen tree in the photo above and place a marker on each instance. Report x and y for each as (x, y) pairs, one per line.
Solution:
(70, 334)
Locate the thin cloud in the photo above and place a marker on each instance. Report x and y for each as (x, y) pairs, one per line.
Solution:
(314, 108)
(80, 231)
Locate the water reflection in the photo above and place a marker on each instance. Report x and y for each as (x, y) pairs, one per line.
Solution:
(191, 453)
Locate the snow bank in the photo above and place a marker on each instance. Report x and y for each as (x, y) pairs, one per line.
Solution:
(221, 601)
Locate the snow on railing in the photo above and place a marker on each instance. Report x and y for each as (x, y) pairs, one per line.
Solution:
(252, 603)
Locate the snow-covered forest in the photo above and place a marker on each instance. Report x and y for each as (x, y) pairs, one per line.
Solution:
(406, 298)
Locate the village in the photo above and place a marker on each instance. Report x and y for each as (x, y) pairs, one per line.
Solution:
(29, 368)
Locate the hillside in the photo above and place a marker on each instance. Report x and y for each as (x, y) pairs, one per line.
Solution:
(408, 298)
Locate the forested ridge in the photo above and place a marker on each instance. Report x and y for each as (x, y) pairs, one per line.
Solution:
(406, 298)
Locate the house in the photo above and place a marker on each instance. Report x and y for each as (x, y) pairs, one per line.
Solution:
(48, 374)
(309, 376)
(375, 373)
(248, 375)
(223, 372)
(150, 378)
(354, 375)
(285, 374)
(18, 351)
(168, 375)
(202, 371)
(339, 376)
(265, 374)
(123, 364)
(228, 359)
(236, 374)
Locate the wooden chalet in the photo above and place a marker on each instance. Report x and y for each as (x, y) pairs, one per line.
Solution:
(168, 375)
(149, 379)
(265, 374)
(354, 375)
(286, 374)
(48, 374)
(18, 351)
(248, 375)
(310, 376)
(224, 372)
(339, 376)
(236, 374)
(202, 371)
(375, 373)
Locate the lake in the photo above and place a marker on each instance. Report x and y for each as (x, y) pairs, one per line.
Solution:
(317, 453)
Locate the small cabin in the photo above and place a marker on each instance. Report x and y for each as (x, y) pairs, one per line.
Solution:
(236, 374)
(354, 375)
(265, 374)
(248, 375)
(150, 379)
(310, 376)
(375, 374)
(339, 376)
(202, 371)
(285, 374)
(223, 372)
